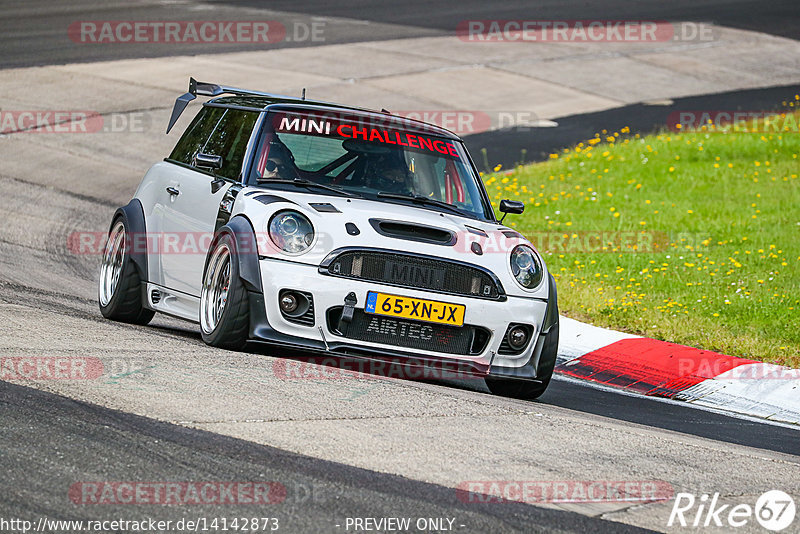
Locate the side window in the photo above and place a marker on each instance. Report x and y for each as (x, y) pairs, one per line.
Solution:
(196, 135)
(229, 140)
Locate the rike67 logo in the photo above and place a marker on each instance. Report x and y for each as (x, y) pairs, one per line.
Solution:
(774, 510)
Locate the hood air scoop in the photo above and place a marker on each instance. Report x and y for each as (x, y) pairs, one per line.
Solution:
(414, 232)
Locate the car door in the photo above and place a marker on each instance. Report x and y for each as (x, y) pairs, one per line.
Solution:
(167, 176)
(194, 195)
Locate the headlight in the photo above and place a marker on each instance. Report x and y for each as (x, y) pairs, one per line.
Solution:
(525, 266)
(291, 231)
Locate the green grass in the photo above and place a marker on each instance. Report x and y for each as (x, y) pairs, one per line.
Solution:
(725, 210)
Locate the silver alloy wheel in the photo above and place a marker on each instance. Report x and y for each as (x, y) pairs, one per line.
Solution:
(113, 261)
(216, 282)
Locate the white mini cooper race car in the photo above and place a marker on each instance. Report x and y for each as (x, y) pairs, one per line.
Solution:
(332, 230)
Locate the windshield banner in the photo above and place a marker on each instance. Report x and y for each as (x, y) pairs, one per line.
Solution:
(361, 130)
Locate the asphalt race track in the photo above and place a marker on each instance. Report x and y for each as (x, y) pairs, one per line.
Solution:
(170, 408)
(31, 31)
(318, 494)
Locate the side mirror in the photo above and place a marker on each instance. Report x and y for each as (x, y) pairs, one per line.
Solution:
(511, 206)
(213, 163)
(208, 161)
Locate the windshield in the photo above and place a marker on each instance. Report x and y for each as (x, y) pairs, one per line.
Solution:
(359, 156)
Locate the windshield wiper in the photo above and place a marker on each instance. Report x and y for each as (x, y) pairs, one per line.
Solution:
(300, 182)
(419, 199)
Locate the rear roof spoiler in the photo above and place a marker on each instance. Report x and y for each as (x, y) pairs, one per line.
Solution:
(209, 89)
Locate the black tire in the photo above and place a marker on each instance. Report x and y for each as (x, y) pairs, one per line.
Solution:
(124, 299)
(231, 329)
(527, 389)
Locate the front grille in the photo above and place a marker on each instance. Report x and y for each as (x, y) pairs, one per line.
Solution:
(466, 340)
(418, 272)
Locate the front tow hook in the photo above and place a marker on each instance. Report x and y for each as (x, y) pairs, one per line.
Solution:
(350, 302)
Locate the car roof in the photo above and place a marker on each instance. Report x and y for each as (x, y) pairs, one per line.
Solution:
(261, 103)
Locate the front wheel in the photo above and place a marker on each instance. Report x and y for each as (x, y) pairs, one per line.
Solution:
(528, 389)
(224, 307)
(120, 286)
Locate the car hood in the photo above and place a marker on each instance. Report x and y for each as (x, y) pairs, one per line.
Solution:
(411, 229)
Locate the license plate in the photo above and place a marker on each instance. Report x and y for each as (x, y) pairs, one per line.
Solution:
(431, 311)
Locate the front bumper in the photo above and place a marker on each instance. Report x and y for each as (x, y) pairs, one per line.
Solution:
(269, 325)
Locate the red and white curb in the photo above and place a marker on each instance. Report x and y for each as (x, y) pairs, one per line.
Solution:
(668, 370)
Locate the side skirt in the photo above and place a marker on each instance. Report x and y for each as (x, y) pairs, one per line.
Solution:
(172, 302)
